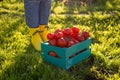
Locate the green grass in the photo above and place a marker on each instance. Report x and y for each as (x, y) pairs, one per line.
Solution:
(20, 61)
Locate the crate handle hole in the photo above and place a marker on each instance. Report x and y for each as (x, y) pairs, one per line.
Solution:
(77, 53)
(53, 54)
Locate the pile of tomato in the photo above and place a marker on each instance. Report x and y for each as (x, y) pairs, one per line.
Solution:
(67, 37)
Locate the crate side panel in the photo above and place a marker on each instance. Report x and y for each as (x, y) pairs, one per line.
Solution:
(76, 48)
(78, 58)
(46, 48)
(55, 61)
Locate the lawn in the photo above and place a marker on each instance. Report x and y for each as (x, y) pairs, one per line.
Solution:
(20, 61)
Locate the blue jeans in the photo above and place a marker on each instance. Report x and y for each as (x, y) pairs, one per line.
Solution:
(37, 12)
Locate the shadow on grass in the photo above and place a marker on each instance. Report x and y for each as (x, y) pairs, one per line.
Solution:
(29, 65)
(25, 66)
(82, 70)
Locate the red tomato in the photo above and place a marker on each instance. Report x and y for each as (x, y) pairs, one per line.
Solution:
(76, 41)
(67, 31)
(61, 42)
(52, 53)
(70, 43)
(67, 38)
(80, 38)
(58, 30)
(74, 35)
(75, 29)
(85, 34)
(58, 35)
(50, 36)
(52, 42)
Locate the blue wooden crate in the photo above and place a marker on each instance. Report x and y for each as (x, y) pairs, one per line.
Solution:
(67, 56)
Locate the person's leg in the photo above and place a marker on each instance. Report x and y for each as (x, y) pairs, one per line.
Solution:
(32, 20)
(45, 6)
(32, 12)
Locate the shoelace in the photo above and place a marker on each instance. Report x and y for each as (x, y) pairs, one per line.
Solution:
(39, 32)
